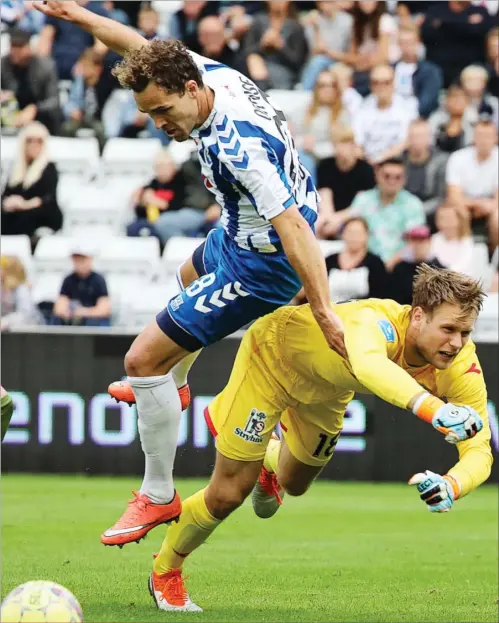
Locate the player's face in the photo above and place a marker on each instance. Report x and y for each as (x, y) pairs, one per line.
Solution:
(175, 114)
(442, 335)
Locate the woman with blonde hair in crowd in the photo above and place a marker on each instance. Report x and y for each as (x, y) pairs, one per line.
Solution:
(453, 244)
(29, 200)
(322, 118)
(17, 305)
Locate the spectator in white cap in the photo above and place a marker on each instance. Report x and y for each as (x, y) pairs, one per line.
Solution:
(83, 299)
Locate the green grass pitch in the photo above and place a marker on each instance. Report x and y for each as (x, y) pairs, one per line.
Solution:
(342, 552)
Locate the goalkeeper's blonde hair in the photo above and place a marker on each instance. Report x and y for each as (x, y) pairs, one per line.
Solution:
(435, 286)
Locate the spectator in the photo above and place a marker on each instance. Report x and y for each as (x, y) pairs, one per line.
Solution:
(324, 117)
(452, 125)
(29, 88)
(418, 252)
(329, 33)
(492, 282)
(184, 23)
(18, 308)
(161, 204)
(83, 299)
(114, 13)
(87, 97)
(352, 99)
(374, 41)
(237, 17)
(355, 273)
(493, 61)
(211, 35)
(414, 76)
(148, 22)
(276, 47)
(66, 41)
(453, 244)
(383, 120)
(22, 15)
(339, 179)
(389, 211)
(425, 167)
(474, 82)
(472, 180)
(454, 36)
(29, 201)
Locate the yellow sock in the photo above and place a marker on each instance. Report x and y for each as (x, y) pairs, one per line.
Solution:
(194, 527)
(272, 455)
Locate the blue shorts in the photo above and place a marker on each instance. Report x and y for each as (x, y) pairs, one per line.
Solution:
(235, 287)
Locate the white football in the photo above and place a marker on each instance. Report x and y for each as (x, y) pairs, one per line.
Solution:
(40, 602)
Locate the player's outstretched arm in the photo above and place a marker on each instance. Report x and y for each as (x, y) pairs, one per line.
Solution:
(114, 35)
(368, 356)
(305, 256)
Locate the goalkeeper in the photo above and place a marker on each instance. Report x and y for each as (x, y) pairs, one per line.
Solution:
(418, 357)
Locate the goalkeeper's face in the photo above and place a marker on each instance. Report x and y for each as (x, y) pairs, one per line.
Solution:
(442, 334)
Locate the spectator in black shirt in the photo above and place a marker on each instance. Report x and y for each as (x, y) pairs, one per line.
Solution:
(29, 88)
(418, 252)
(355, 273)
(83, 299)
(339, 179)
(454, 36)
(211, 35)
(29, 200)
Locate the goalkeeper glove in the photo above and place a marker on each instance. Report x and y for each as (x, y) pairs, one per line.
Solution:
(456, 423)
(437, 492)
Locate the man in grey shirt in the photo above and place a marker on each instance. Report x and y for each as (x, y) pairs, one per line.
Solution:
(425, 167)
(329, 34)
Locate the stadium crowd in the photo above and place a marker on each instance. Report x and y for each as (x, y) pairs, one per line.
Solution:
(393, 107)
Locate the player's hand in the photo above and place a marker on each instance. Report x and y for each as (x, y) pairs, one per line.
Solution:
(334, 332)
(66, 9)
(436, 491)
(457, 423)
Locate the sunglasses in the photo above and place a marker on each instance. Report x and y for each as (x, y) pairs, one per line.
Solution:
(326, 85)
(33, 139)
(393, 177)
(381, 83)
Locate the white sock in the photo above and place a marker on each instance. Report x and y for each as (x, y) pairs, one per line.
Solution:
(181, 369)
(159, 413)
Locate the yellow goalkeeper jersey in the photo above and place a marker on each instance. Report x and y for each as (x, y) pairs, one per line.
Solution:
(375, 340)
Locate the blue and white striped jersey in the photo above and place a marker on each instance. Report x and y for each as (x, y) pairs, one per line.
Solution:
(249, 160)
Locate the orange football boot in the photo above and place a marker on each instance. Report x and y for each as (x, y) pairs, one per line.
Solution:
(140, 517)
(169, 592)
(267, 494)
(122, 391)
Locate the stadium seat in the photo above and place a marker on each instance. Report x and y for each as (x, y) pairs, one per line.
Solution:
(125, 156)
(480, 260)
(75, 156)
(290, 102)
(152, 300)
(19, 246)
(52, 254)
(47, 287)
(8, 151)
(329, 247)
(176, 251)
(134, 257)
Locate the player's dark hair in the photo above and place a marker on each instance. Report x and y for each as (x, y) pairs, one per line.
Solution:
(166, 63)
(433, 287)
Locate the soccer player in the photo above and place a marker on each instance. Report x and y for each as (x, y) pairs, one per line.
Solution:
(6, 411)
(419, 358)
(253, 265)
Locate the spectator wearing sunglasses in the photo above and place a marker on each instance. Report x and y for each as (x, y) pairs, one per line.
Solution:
(389, 211)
